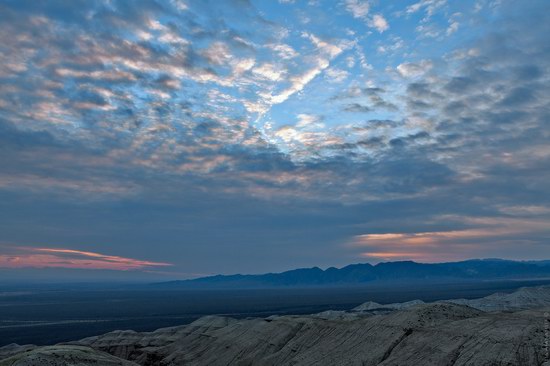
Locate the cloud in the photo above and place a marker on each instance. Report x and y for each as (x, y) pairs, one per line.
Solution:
(358, 8)
(309, 120)
(217, 53)
(453, 27)
(429, 6)
(327, 52)
(26, 257)
(374, 95)
(269, 71)
(379, 22)
(356, 108)
(491, 233)
(283, 50)
(397, 44)
(411, 69)
(336, 75)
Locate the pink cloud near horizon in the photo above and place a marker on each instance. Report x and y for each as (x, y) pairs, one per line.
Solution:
(28, 257)
(491, 237)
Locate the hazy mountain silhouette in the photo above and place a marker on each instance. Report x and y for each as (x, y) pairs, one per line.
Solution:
(356, 274)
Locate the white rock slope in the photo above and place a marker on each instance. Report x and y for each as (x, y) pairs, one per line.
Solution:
(524, 298)
(413, 333)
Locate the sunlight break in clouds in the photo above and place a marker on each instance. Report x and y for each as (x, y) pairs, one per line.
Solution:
(69, 258)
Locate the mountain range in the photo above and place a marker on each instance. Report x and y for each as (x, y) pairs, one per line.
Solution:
(364, 273)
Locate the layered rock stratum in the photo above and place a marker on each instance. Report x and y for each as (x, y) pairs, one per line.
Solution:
(500, 329)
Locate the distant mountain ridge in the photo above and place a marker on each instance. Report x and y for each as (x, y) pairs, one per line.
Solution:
(356, 274)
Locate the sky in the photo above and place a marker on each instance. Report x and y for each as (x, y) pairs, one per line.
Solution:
(183, 138)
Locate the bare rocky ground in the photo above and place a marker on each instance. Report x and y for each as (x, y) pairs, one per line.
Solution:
(500, 329)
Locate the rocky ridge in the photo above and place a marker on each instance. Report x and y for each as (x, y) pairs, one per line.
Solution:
(501, 329)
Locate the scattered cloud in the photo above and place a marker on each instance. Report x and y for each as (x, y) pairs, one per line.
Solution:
(453, 27)
(412, 69)
(336, 75)
(379, 22)
(358, 8)
(156, 123)
(357, 108)
(269, 71)
(309, 120)
(429, 6)
(326, 52)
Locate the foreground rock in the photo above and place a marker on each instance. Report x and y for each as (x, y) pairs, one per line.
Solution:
(432, 334)
(13, 349)
(371, 306)
(524, 298)
(64, 355)
(413, 333)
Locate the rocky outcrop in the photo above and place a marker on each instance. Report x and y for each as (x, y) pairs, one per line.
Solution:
(425, 334)
(524, 298)
(64, 355)
(521, 299)
(413, 333)
(371, 306)
(13, 349)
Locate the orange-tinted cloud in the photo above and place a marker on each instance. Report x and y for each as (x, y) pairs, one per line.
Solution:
(491, 237)
(68, 258)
